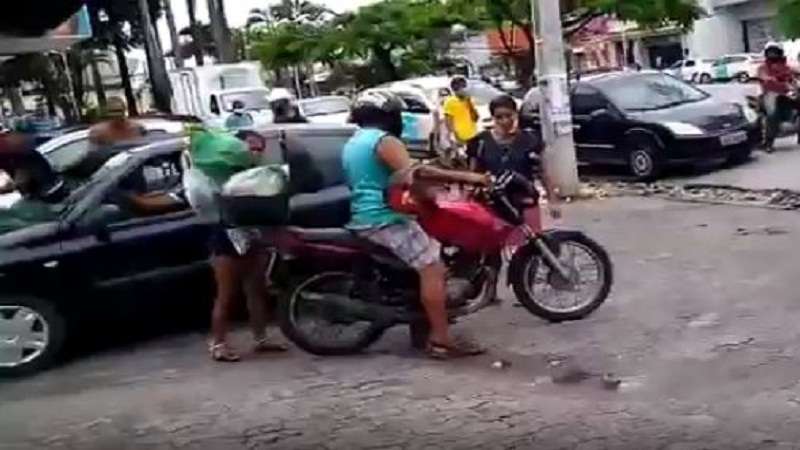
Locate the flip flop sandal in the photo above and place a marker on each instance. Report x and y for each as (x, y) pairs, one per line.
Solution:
(264, 346)
(453, 351)
(221, 352)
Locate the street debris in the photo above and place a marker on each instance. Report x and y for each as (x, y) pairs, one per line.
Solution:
(611, 381)
(570, 374)
(762, 231)
(734, 344)
(501, 364)
(703, 193)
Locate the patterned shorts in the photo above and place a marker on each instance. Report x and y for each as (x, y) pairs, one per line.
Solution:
(408, 241)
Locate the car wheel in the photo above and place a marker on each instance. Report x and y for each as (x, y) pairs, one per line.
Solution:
(705, 79)
(644, 159)
(32, 334)
(743, 77)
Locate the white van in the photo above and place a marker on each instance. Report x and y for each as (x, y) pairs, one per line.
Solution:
(208, 92)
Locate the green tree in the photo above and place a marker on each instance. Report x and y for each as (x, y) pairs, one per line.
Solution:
(789, 17)
(403, 37)
(576, 14)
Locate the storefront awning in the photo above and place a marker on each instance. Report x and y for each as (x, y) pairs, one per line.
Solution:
(74, 30)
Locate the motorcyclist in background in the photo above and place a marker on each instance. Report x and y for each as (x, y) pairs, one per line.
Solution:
(284, 107)
(777, 80)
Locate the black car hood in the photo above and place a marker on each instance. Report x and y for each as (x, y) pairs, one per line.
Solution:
(710, 115)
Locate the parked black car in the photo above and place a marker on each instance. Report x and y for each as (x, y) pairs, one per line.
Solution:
(649, 120)
(92, 261)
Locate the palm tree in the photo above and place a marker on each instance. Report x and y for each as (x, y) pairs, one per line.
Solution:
(222, 34)
(173, 32)
(159, 79)
(191, 6)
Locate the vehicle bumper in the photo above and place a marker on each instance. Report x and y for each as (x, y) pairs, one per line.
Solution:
(709, 148)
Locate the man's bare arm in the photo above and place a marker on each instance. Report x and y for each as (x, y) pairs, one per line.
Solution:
(393, 153)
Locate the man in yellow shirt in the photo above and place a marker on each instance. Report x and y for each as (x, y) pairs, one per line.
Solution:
(460, 114)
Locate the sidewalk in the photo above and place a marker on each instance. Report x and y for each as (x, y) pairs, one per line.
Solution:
(701, 329)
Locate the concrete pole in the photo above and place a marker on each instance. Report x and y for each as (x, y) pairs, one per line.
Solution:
(554, 109)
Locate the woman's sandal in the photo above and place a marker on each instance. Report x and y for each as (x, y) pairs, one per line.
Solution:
(453, 351)
(221, 352)
(265, 346)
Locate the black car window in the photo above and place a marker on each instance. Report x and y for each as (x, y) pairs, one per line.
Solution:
(162, 175)
(690, 64)
(414, 104)
(586, 100)
(68, 155)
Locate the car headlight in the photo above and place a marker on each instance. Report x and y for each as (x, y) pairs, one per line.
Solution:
(749, 114)
(683, 129)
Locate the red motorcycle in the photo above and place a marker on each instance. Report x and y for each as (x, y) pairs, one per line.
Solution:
(350, 291)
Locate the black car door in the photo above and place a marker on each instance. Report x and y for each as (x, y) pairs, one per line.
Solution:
(134, 261)
(596, 123)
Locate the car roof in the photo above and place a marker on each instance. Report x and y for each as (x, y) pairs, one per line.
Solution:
(322, 97)
(149, 123)
(241, 90)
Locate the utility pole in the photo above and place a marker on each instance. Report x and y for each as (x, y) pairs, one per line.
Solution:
(554, 108)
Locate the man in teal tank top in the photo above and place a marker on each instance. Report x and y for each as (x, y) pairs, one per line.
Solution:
(371, 158)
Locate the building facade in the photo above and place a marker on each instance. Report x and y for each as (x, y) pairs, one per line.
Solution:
(733, 26)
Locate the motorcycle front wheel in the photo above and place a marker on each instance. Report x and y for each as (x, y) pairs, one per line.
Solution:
(543, 291)
(318, 316)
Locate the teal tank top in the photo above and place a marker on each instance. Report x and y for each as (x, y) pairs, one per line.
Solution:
(368, 178)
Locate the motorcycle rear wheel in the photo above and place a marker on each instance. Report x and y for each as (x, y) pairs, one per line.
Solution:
(528, 264)
(333, 332)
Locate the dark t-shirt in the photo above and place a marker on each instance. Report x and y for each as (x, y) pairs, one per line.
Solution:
(520, 155)
(33, 175)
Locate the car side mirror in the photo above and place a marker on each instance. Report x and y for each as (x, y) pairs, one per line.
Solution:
(602, 115)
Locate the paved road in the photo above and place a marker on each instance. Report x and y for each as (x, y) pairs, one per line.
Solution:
(705, 338)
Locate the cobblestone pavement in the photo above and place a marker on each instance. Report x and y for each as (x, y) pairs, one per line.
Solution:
(701, 329)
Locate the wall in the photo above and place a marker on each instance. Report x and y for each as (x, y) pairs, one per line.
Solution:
(715, 36)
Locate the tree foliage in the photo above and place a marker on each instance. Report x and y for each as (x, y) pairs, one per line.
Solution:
(789, 17)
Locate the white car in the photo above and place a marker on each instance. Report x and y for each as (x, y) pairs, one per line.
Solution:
(693, 70)
(64, 151)
(333, 109)
(433, 91)
(742, 68)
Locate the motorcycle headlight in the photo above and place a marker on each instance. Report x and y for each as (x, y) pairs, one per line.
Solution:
(683, 129)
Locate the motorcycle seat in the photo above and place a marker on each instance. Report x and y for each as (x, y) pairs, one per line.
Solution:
(329, 235)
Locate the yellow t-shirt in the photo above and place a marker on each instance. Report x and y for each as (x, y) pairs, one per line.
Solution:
(461, 110)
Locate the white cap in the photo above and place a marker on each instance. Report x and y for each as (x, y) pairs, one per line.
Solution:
(277, 94)
(773, 44)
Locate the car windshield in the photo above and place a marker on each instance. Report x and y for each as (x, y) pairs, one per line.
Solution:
(324, 106)
(256, 99)
(649, 92)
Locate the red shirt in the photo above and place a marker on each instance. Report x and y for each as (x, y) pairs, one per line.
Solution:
(776, 77)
